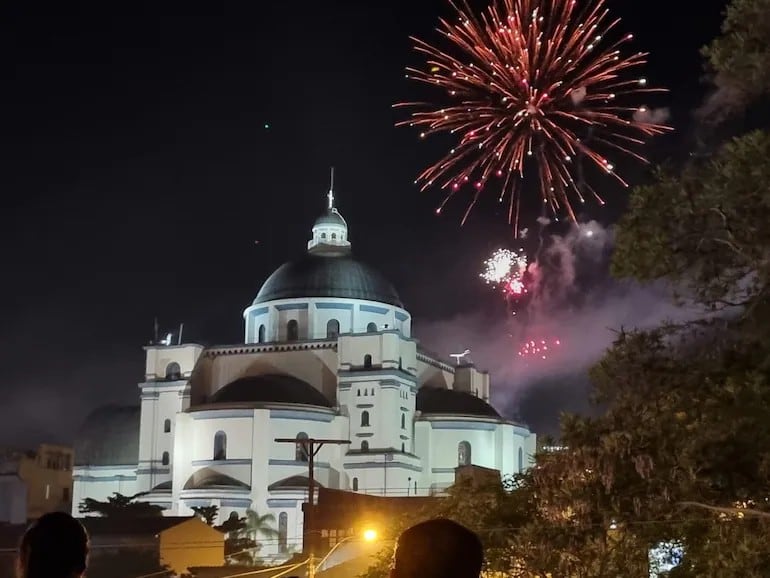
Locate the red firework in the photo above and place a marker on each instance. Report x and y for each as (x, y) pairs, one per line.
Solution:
(530, 78)
(541, 348)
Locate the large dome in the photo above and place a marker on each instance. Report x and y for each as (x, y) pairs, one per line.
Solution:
(434, 400)
(270, 389)
(327, 276)
(109, 437)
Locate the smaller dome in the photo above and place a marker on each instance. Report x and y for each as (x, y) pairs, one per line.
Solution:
(109, 437)
(207, 478)
(270, 389)
(433, 400)
(293, 483)
(330, 217)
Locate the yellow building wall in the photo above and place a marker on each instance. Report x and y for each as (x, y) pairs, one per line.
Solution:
(189, 544)
(48, 477)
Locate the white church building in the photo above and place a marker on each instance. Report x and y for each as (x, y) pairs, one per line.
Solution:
(328, 352)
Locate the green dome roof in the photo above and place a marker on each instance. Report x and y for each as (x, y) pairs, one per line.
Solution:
(327, 276)
(331, 217)
(109, 437)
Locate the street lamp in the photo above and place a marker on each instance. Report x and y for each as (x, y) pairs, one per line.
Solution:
(368, 535)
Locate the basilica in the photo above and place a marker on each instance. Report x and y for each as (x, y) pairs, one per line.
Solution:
(328, 353)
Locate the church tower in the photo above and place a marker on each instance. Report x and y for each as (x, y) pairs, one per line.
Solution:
(165, 392)
(330, 231)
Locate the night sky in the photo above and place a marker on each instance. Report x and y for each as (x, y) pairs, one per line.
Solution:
(146, 147)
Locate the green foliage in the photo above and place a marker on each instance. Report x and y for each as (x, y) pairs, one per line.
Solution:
(208, 513)
(740, 55)
(242, 543)
(705, 229)
(120, 506)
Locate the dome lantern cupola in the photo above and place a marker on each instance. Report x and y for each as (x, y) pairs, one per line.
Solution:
(330, 231)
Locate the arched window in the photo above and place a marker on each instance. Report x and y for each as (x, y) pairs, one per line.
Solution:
(332, 328)
(334, 235)
(358, 393)
(165, 459)
(167, 426)
(283, 530)
(367, 361)
(323, 235)
(173, 371)
(371, 328)
(220, 445)
(355, 484)
(300, 448)
(364, 418)
(403, 421)
(261, 334)
(521, 460)
(364, 446)
(292, 330)
(463, 454)
(403, 450)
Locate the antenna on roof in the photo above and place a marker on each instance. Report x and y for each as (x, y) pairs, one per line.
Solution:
(330, 196)
(179, 339)
(459, 356)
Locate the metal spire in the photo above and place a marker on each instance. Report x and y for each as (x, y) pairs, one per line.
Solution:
(330, 196)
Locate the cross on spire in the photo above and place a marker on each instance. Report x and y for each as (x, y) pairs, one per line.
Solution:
(330, 195)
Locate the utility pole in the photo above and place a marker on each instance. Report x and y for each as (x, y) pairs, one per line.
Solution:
(310, 447)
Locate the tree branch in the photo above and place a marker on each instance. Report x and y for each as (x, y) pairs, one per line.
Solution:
(723, 510)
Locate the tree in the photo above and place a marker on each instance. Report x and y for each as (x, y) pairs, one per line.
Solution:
(740, 55)
(120, 506)
(242, 545)
(208, 513)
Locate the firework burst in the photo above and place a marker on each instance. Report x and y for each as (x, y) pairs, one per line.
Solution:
(531, 86)
(540, 348)
(505, 269)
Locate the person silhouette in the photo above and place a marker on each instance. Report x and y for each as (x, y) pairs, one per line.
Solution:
(438, 548)
(54, 546)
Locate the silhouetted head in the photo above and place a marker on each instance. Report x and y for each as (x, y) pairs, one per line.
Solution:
(55, 546)
(438, 549)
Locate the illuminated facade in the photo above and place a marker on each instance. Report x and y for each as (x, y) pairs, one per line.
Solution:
(328, 353)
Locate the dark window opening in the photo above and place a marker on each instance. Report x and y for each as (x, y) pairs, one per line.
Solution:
(173, 371)
(261, 334)
(167, 426)
(364, 446)
(332, 328)
(165, 459)
(367, 361)
(220, 446)
(364, 419)
(371, 328)
(292, 330)
(301, 449)
(355, 484)
(464, 454)
(283, 531)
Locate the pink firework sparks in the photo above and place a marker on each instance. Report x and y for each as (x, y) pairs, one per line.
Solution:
(539, 348)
